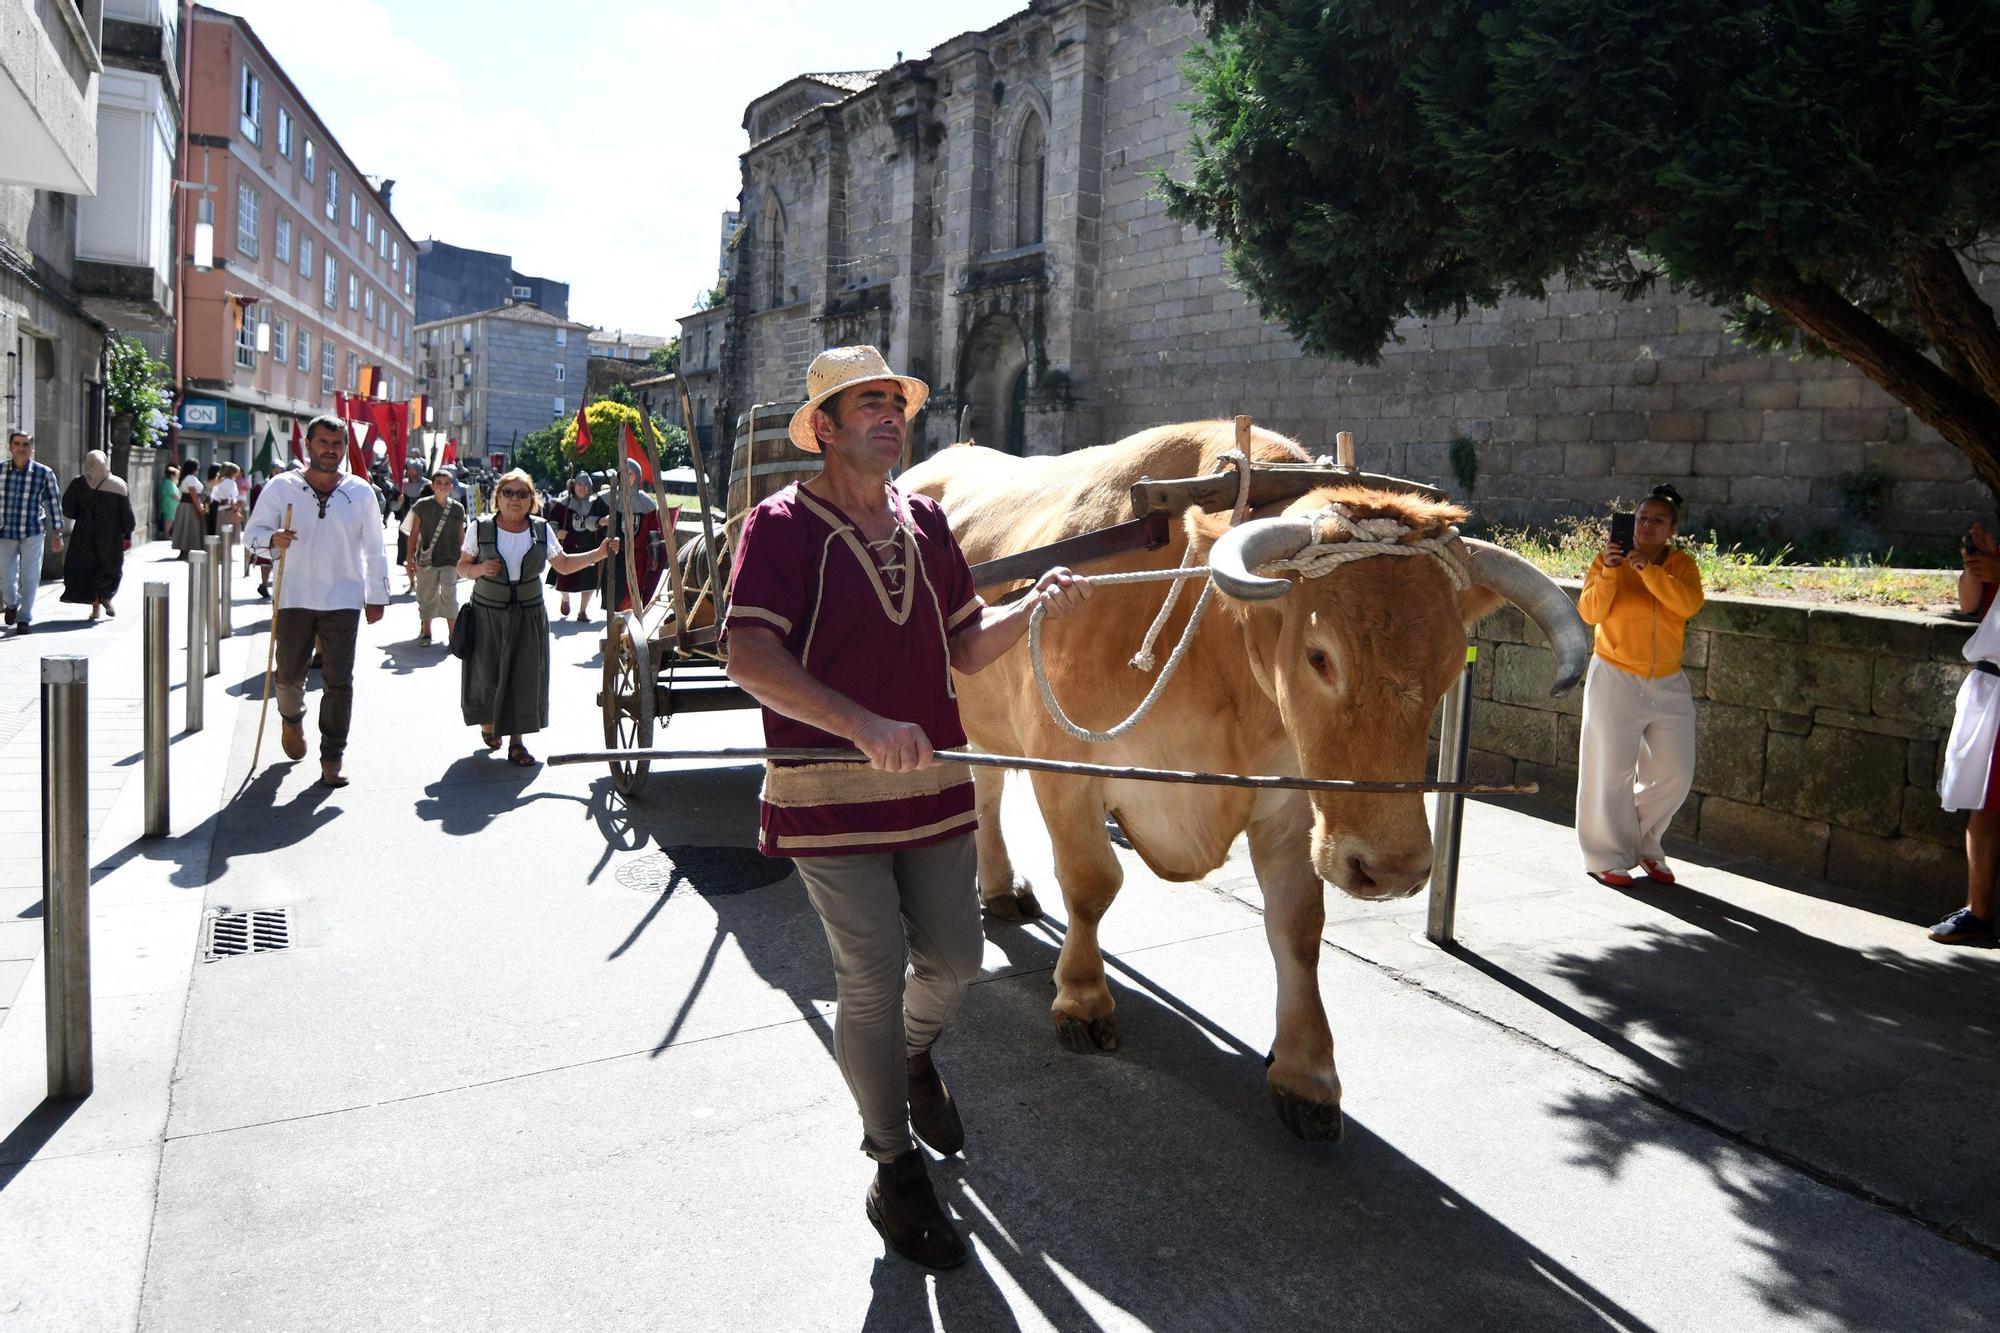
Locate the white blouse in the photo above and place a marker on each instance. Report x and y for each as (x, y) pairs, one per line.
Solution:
(513, 545)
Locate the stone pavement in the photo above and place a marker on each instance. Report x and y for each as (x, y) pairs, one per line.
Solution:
(537, 1056)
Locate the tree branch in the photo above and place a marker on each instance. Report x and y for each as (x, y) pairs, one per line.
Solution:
(1964, 416)
(1955, 318)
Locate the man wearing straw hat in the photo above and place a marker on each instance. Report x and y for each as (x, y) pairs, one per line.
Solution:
(335, 573)
(850, 607)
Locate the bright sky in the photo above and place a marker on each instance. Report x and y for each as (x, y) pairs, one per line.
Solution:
(596, 141)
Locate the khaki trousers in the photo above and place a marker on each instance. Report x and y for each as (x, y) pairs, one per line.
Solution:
(904, 931)
(1635, 765)
(298, 630)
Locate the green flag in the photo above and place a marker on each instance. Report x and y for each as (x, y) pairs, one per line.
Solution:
(264, 466)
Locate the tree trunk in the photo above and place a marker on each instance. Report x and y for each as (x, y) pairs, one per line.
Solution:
(1962, 414)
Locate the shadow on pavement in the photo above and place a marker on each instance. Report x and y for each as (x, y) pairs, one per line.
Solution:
(256, 826)
(1206, 1215)
(1873, 1069)
(406, 656)
(27, 1138)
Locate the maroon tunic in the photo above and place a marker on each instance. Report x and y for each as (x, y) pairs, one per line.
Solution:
(872, 622)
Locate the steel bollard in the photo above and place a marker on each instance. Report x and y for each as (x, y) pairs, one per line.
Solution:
(197, 635)
(225, 584)
(154, 626)
(66, 872)
(1453, 739)
(211, 597)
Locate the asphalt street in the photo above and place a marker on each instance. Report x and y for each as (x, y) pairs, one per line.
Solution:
(539, 1057)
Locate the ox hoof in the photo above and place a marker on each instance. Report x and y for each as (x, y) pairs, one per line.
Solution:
(1315, 1122)
(1015, 908)
(1086, 1037)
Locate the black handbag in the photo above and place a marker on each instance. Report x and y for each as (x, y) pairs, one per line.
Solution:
(461, 632)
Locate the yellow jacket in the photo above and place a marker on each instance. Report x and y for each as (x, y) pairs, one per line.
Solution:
(1641, 614)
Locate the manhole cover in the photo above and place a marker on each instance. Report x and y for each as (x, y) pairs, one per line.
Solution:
(712, 872)
(231, 934)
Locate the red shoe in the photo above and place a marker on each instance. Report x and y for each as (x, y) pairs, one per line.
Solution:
(1657, 871)
(1611, 879)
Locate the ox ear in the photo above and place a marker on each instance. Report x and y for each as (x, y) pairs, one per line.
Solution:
(1203, 529)
(1478, 602)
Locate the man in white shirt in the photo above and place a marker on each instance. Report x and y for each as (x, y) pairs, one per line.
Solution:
(335, 573)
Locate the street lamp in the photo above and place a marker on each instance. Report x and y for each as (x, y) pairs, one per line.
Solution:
(204, 236)
(264, 335)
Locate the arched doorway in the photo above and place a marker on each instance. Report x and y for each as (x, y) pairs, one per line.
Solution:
(993, 373)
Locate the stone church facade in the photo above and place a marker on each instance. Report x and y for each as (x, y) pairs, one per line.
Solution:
(986, 215)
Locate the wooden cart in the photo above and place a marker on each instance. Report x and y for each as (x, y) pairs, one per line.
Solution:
(663, 659)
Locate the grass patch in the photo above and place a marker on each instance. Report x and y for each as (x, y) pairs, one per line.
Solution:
(1750, 570)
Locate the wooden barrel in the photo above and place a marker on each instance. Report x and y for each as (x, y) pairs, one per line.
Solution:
(765, 460)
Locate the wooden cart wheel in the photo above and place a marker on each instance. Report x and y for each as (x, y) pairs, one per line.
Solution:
(628, 703)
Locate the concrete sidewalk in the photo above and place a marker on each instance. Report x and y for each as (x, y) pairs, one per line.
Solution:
(538, 1057)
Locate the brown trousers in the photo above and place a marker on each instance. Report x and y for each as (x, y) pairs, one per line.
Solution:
(299, 630)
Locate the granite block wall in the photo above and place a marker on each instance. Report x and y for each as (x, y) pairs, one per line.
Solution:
(1818, 731)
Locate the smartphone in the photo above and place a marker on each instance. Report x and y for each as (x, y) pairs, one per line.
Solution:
(1965, 544)
(1622, 530)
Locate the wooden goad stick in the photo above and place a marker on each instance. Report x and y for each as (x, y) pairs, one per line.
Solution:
(976, 758)
(271, 647)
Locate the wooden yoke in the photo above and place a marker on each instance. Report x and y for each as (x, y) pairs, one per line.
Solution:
(1270, 483)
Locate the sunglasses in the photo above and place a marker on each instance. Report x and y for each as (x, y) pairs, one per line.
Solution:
(516, 493)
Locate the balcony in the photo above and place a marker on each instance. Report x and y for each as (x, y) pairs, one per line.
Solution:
(124, 269)
(49, 66)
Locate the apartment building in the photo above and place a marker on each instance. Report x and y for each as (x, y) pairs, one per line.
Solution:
(51, 347)
(494, 375)
(312, 277)
(453, 281)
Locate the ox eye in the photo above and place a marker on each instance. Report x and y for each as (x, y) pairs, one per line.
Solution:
(1317, 660)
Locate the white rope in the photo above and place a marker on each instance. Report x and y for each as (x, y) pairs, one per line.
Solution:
(1361, 539)
(1143, 659)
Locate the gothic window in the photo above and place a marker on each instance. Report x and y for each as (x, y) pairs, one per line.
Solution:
(774, 253)
(1031, 182)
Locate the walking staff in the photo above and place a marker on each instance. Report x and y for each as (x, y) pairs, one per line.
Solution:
(271, 649)
(340, 576)
(849, 609)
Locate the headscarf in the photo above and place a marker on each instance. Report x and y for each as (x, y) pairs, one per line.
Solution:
(97, 471)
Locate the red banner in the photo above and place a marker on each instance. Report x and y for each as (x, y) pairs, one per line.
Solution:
(582, 429)
(637, 454)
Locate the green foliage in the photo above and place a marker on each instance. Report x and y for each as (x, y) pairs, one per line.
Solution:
(136, 387)
(1465, 464)
(666, 359)
(713, 297)
(549, 454)
(1369, 160)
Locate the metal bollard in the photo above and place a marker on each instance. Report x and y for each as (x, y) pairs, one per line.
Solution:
(154, 626)
(211, 598)
(225, 584)
(1453, 739)
(197, 627)
(66, 872)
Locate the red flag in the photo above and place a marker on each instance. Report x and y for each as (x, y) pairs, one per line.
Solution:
(450, 454)
(398, 436)
(582, 429)
(298, 441)
(637, 455)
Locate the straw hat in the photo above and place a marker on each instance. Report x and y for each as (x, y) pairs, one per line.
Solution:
(839, 368)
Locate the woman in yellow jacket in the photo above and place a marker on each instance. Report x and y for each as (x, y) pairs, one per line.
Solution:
(1636, 761)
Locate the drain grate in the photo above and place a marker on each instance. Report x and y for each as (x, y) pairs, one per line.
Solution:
(712, 872)
(232, 934)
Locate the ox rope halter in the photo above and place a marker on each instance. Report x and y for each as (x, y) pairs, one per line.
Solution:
(1360, 539)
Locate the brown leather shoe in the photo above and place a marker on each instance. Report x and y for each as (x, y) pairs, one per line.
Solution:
(905, 1209)
(293, 736)
(933, 1114)
(330, 774)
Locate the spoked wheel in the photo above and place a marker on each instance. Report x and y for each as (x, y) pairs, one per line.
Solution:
(628, 712)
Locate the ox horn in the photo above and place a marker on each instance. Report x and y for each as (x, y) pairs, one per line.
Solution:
(1242, 549)
(1543, 602)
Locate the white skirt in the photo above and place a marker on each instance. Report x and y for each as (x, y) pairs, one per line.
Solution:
(1968, 755)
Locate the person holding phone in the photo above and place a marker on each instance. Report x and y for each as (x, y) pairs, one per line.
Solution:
(1635, 765)
(1969, 779)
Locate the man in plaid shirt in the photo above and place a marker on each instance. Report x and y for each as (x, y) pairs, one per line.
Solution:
(29, 508)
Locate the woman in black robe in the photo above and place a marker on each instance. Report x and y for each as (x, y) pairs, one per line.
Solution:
(100, 532)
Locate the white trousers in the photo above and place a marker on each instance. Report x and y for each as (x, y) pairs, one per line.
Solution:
(1635, 765)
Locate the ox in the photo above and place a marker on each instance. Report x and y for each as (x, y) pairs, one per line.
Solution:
(1335, 676)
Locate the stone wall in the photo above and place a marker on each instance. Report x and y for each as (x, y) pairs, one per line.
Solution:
(1818, 735)
(896, 209)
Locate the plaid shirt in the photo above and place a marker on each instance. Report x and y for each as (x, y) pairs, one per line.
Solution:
(24, 495)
